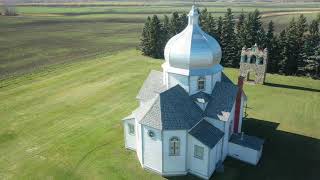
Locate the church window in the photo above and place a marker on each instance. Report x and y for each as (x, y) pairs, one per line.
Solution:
(174, 146)
(201, 83)
(131, 129)
(198, 152)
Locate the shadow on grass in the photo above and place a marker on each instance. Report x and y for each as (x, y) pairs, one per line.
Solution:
(291, 87)
(286, 156)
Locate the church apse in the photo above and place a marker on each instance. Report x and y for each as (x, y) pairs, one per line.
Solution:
(254, 62)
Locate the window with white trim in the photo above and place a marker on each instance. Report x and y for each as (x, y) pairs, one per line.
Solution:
(198, 152)
(131, 129)
(174, 146)
(201, 83)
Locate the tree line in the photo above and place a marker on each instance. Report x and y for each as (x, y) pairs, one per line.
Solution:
(294, 51)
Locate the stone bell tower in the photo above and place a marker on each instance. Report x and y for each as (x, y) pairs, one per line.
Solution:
(254, 63)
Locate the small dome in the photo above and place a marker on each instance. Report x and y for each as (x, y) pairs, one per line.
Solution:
(192, 48)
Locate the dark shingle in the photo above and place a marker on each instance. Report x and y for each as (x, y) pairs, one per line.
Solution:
(221, 103)
(251, 142)
(173, 110)
(206, 133)
(201, 95)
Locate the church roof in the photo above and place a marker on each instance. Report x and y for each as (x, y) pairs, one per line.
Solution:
(251, 142)
(225, 78)
(192, 48)
(152, 86)
(223, 97)
(173, 109)
(201, 95)
(206, 133)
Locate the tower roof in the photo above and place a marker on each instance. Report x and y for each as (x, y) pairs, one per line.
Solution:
(192, 48)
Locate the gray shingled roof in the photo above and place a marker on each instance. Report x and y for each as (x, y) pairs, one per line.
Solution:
(201, 95)
(175, 109)
(172, 110)
(225, 78)
(206, 133)
(223, 97)
(152, 86)
(251, 142)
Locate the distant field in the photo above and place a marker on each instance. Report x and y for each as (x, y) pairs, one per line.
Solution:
(64, 122)
(45, 34)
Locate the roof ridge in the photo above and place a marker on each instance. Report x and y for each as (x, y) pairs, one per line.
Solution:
(196, 124)
(150, 106)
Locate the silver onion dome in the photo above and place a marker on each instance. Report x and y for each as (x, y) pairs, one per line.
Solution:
(192, 48)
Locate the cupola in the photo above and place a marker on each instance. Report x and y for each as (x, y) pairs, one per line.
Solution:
(192, 48)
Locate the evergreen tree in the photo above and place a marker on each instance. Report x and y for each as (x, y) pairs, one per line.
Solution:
(165, 32)
(228, 43)
(261, 38)
(207, 23)
(270, 33)
(306, 60)
(212, 27)
(219, 29)
(312, 62)
(241, 34)
(203, 19)
(155, 34)
(271, 43)
(313, 38)
(301, 29)
(284, 52)
(291, 49)
(174, 24)
(145, 41)
(183, 22)
(253, 28)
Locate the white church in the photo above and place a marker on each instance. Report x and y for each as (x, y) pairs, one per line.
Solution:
(190, 114)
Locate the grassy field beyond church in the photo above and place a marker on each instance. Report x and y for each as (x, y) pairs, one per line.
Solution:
(46, 34)
(64, 122)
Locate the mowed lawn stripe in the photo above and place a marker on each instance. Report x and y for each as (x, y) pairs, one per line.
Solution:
(68, 106)
(64, 122)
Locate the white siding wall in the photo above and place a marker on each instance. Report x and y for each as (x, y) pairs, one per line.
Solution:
(231, 120)
(212, 160)
(174, 79)
(244, 154)
(139, 141)
(197, 166)
(130, 139)
(174, 164)
(241, 113)
(219, 151)
(152, 149)
(225, 141)
(194, 84)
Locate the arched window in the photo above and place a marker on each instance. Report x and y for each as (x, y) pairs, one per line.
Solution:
(253, 59)
(201, 83)
(260, 60)
(174, 146)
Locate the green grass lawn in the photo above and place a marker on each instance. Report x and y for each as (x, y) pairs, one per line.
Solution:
(69, 74)
(64, 122)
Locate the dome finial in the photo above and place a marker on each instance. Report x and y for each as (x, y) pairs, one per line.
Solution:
(193, 16)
